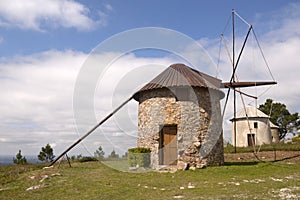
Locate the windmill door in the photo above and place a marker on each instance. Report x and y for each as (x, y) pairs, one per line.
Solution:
(251, 139)
(168, 145)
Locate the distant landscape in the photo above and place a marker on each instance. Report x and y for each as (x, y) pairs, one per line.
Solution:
(8, 159)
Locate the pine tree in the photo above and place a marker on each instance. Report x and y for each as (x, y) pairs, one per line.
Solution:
(113, 154)
(46, 154)
(20, 159)
(99, 153)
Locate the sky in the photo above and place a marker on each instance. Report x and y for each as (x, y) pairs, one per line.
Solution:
(46, 46)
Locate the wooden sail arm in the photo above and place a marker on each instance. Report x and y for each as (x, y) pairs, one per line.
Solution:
(242, 93)
(246, 84)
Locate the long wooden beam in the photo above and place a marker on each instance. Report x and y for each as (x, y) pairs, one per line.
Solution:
(246, 84)
(90, 131)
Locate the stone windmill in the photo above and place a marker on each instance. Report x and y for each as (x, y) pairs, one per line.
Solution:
(179, 118)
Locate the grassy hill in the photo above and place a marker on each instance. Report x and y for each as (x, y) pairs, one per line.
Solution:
(93, 180)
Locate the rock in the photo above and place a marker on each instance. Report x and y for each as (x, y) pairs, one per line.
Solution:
(190, 186)
(56, 174)
(34, 187)
(48, 167)
(44, 178)
(192, 168)
(197, 144)
(201, 166)
(182, 165)
(133, 168)
(178, 197)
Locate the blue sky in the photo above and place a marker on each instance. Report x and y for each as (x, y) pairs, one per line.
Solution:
(205, 19)
(44, 44)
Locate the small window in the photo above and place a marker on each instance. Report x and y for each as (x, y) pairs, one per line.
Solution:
(255, 125)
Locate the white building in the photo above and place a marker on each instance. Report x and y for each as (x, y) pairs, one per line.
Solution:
(252, 128)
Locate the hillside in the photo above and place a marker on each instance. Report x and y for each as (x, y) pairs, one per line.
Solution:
(241, 177)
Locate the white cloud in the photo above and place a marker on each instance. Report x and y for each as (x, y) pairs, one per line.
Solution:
(36, 14)
(37, 94)
(36, 101)
(281, 45)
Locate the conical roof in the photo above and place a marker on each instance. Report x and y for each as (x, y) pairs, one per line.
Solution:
(180, 75)
(250, 112)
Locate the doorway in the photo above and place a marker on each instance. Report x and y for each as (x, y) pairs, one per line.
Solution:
(251, 139)
(168, 145)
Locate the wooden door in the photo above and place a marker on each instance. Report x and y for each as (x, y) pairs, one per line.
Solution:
(251, 139)
(168, 145)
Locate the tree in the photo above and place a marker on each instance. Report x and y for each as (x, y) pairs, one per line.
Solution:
(46, 154)
(280, 116)
(125, 155)
(99, 153)
(113, 154)
(20, 159)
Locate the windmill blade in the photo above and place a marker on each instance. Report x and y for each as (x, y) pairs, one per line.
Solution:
(226, 101)
(240, 54)
(242, 84)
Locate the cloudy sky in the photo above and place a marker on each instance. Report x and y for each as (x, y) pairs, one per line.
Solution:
(47, 48)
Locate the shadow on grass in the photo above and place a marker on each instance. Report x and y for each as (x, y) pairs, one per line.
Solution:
(240, 163)
(287, 158)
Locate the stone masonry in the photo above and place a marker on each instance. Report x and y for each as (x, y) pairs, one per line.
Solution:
(198, 120)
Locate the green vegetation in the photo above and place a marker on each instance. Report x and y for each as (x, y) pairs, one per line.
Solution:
(139, 156)
(99, 153)
(87, 159)
(238, 179)
(20, 160)
(46, 154)
(113, 155)
(295, 146)
(93, 180)
(280, 116)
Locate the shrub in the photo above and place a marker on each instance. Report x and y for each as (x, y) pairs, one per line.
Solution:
(139, 156)
(87, 159)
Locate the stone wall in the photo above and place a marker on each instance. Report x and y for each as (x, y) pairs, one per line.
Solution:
(198, 120)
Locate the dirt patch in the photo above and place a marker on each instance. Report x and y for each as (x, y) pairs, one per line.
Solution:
(288, 157)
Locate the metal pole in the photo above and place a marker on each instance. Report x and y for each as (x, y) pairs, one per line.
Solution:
(90, 131)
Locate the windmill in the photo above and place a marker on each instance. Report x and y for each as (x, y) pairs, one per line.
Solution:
(233, 84)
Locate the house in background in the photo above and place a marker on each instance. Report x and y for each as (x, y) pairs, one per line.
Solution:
(253, 127)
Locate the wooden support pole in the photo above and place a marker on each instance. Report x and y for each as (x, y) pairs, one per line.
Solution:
(90, 131)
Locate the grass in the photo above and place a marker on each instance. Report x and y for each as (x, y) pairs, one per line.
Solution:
(94, 180)
(266, 147)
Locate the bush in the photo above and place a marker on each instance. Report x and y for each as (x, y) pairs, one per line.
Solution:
(87, 159)
(139, 156)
